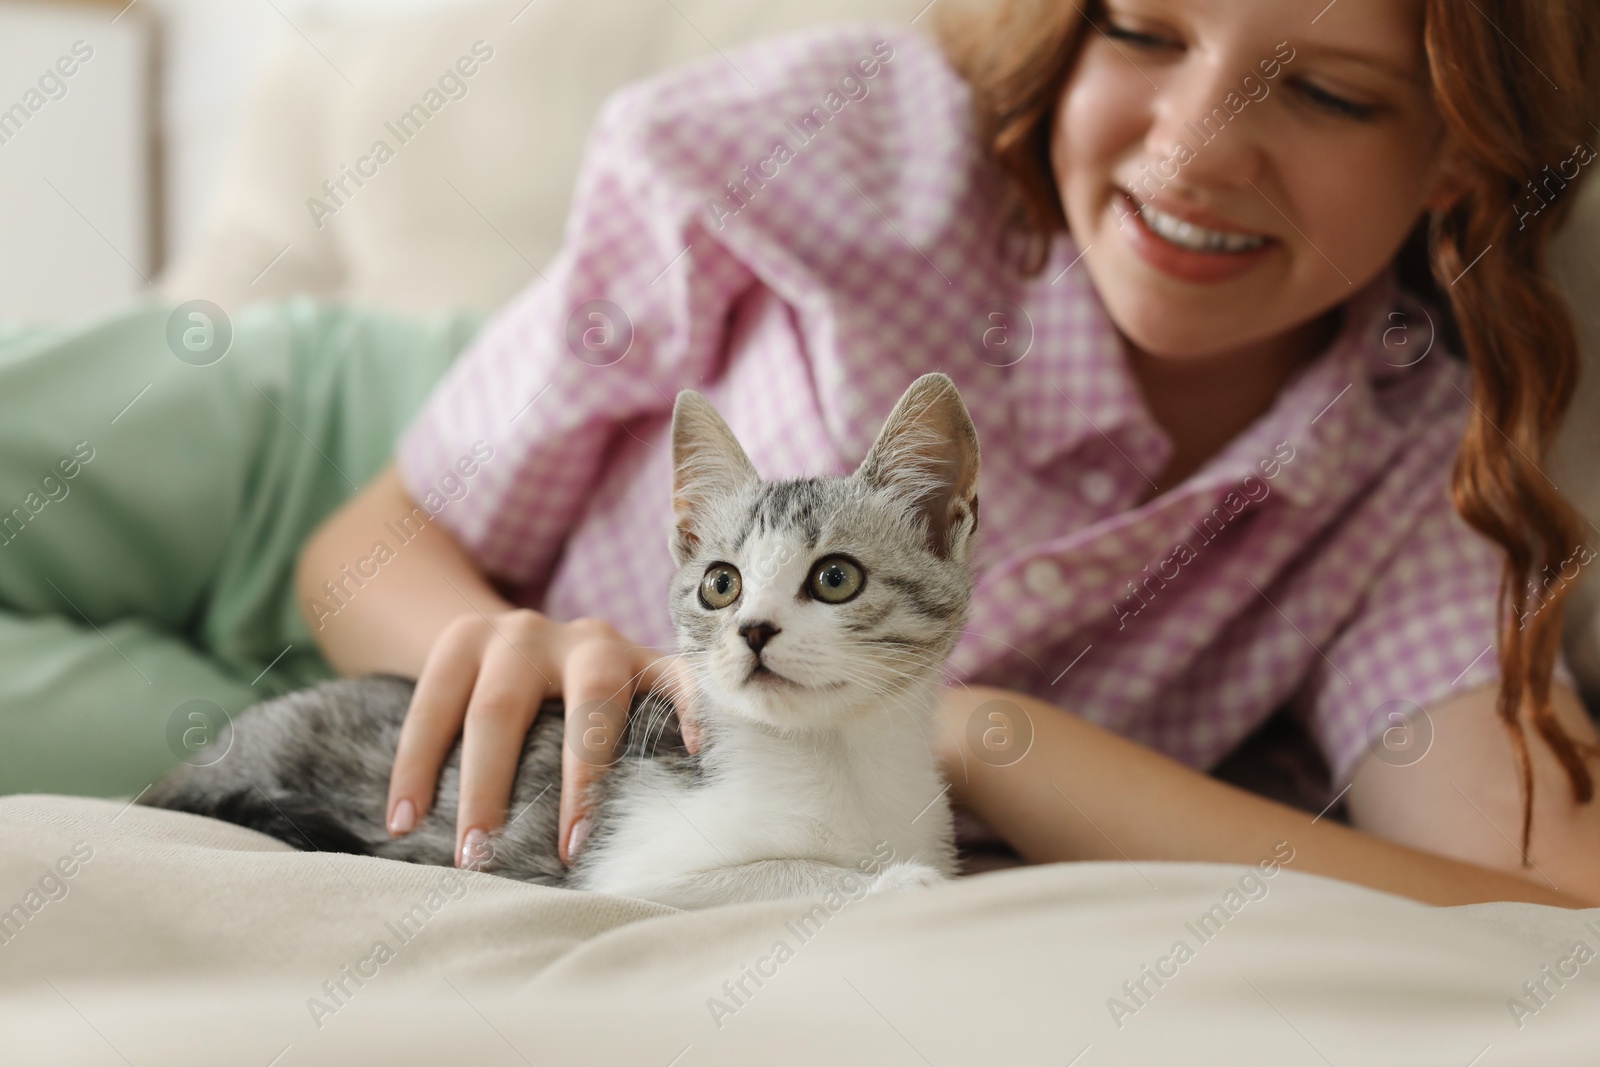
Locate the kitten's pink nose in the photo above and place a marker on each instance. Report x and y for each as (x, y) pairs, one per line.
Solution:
(757, 634)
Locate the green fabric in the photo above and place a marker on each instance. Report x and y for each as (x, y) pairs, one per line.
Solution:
(164, 572)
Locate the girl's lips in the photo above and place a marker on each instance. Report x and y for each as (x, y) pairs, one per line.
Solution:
(1182, 263)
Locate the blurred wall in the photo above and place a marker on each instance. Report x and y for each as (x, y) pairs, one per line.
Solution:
(76, 191)
(107, 171)
(211, 50)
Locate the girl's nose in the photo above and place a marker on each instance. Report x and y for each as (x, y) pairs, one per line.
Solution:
(1195, 137)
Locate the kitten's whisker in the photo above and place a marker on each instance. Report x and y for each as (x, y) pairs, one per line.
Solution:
(896, 697)
(921, 662)
(897, 681)
(654, 728)
(1008, 644)
(671, 692)
(671, 683)
(629, 684)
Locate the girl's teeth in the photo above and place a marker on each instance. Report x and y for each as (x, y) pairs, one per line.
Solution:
(1196, 238)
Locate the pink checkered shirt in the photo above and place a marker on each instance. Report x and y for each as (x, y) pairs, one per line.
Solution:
(802, 288)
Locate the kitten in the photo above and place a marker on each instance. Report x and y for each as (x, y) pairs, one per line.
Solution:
(814, 615)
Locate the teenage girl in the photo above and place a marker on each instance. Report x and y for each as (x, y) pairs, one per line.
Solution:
(1251, 311)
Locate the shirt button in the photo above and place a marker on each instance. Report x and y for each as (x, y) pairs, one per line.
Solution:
(1097, 487)
(1042, 578)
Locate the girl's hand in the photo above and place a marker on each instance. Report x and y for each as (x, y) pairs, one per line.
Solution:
(484, 680)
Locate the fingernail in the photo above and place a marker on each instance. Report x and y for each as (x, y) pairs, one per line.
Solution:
(580, 831)
(474, 850)
(403, 819)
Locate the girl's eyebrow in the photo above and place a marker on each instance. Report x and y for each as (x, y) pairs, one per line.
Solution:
(1377, 63)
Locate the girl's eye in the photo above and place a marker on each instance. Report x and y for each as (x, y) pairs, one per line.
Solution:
(720, 587)
(835, 579)
(1134, 37)
(1336, 105)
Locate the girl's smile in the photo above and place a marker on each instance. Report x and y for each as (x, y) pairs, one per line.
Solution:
(1188, 244)
(1234, 171)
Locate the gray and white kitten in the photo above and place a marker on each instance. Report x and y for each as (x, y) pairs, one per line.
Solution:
(814, 616)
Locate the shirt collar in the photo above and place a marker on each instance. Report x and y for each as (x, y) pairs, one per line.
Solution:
(1076, 385)
(1328, 413)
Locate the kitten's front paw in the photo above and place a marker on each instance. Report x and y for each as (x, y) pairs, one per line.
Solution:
(906, 875)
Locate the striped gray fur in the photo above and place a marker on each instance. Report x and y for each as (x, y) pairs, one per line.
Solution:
(312, 768)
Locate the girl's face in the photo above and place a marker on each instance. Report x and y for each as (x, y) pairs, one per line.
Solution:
(1233, 169)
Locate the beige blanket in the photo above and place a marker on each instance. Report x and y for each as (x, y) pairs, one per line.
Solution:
(133, 936)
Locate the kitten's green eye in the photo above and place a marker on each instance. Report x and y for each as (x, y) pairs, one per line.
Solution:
(835, 579)
(720, 587)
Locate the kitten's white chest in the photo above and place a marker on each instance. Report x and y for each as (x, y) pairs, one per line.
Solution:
(855, 802)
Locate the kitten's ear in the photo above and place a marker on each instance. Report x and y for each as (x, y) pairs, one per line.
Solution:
(927, 453)
(707, 462)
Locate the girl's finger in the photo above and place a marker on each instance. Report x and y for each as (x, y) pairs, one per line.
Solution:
(432, 723)
(510, 687)
(597, 683)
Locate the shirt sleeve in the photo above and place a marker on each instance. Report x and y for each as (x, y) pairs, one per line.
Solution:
(1424, 633)
(631, 310)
